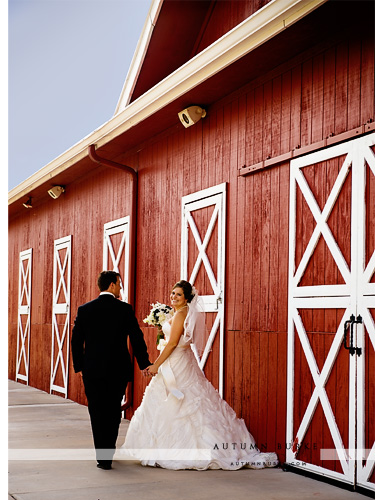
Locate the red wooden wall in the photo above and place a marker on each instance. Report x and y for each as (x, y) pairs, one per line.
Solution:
(81, 212)
(315, 95)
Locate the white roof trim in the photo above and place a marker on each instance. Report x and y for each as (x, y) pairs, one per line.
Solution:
(251, 33)
(139, 55)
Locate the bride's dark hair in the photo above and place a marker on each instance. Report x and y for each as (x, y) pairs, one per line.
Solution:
(186, 288)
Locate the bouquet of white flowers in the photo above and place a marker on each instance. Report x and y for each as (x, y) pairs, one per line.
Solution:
(159, 314)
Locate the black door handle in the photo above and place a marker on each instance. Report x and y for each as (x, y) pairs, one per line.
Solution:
(350, 324)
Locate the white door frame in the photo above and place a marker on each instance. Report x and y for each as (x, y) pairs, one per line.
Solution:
(24, 310)
(365, 301)
(355, 296)
(117, 227)
(61, 308)
(213, 303)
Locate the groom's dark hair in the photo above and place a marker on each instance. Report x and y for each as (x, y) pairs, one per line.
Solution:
(105, 278)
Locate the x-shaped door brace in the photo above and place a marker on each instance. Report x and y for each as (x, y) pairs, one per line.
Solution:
(24, 310)
(62, 269)
(115, 258)
(111, 228)
(202, 256)
(320, 379)
(60, 342)
(368, 287)
(61, 308)
(25, 282)
(321, 218)
(22, 336)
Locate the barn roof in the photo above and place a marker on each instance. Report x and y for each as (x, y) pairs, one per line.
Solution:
(168, 24)
(149, 102)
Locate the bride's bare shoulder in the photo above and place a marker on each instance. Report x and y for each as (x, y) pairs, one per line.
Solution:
(179, 316)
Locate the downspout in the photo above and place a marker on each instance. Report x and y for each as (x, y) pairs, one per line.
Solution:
(132, 247)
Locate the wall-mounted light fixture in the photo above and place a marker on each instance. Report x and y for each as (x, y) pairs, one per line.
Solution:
(191, 115)
(56, 191)
(28, 203)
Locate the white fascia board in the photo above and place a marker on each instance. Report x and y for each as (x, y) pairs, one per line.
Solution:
(250, 34)
(139, 55)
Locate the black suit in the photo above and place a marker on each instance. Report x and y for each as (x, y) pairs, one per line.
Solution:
(100, 351)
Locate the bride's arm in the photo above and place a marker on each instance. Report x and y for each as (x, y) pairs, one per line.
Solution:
(177, 329)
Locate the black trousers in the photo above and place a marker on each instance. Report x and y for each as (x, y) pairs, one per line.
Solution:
(104, 404)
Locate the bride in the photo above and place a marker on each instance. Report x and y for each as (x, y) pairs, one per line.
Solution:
(182, 422)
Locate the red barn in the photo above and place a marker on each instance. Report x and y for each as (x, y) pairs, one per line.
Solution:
(266, 203)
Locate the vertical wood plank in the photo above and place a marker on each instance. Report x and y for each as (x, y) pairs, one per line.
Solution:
(295, 111)
(282, 315)
(265, 250)
(258, 125)
(286, 96)
(341, 104)
(248, 276)
(354, 84)
(276, 116)
(306, 103)
(267, 120)
(317, 98)
(281, 394)
(254, 388)
(249, 138)
(274, 290)
(329, 92)
(230, 160)
(256, 253)
(272, 375)
(367, 79)
(263, 390)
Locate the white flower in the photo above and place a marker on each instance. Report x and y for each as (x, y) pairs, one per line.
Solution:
(159, 314)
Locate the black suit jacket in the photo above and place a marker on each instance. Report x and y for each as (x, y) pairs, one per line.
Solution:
(99, 340)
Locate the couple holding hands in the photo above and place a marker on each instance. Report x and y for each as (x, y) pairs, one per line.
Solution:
(182, 420)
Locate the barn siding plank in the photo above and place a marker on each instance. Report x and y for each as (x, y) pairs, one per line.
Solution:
(317, 98)
(341, 104)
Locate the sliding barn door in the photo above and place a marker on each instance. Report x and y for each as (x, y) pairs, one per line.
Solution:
(61, 315)
(24, 312)
(203, 265)
(331, 332)
(116, 251)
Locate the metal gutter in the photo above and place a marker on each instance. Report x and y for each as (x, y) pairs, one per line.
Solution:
(133, 243)
(263, 25)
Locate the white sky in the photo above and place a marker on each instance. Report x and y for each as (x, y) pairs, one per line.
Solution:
(67, 63)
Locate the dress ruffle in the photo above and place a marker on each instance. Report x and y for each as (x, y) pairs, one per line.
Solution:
(197, 431)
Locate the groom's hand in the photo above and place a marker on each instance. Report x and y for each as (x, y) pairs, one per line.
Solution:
(146, 373)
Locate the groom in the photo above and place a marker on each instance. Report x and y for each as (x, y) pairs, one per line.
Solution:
(100, 352)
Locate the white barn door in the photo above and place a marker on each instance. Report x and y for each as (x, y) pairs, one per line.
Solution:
(61, 315)
(116, 251)
(331, 317)
(24, 312)
(203, 262)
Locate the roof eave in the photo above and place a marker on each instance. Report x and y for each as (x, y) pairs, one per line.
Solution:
(139, 55)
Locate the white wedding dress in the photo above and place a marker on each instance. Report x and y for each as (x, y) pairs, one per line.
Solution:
(183, 423)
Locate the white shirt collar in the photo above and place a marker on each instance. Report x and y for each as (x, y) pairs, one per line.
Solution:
(107, 293)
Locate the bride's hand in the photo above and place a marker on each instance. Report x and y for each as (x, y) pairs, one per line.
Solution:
(152, 370)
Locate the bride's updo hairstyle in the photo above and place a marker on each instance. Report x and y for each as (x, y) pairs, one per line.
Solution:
(187, 289)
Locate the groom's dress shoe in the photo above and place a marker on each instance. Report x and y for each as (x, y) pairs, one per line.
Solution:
(104, 465)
